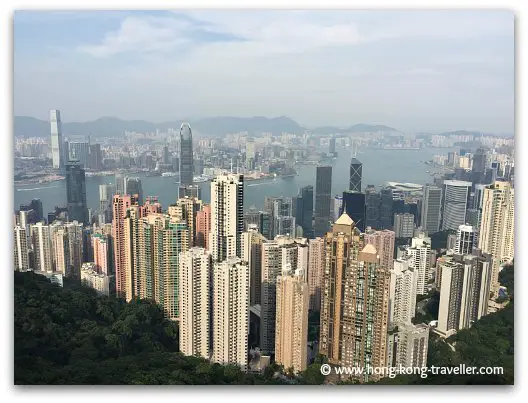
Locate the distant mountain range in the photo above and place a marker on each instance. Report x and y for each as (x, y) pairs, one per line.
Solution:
(113, 127)
(26, 126)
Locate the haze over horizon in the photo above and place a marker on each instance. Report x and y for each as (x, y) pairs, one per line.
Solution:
(412, 70)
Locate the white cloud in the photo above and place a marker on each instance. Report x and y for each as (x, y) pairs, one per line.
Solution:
(140, 35)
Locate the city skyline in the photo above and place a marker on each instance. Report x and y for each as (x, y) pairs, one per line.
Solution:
(469, 67)
(231, 251)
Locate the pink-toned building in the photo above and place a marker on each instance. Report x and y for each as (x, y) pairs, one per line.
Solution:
(151, 206)
(100, 253)
(383, 241)
(203, 226)
(120, 205)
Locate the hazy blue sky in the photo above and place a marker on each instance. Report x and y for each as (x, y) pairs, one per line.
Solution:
(414, 70)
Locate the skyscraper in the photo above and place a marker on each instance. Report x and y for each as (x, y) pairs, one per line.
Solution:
(332, 146)
(336, 207)
(67, 248)
(106, 195)
(465, 240)
(356, 174)
(386, 208)
(402, 293)
(36, 206)
(79, 151)
(231, 312)
(57, 143)
(41, 240)
(478, 171)
(372, 206)
(291, 320)
(95, 160)
(404, 225)
(190, 191)
(419, 254)
(355, 302)
(252, 241)
(455, 197)
(383, 241)
(464, 291)
(410, 345)
(306, 215)
(121, 204)
(102, 253)
(133, 187)
(186, 155)
(186, 209)
(120, 184)
(195, 302)
(284, 222)
(21, 248)
(354, 206)
(76, 193)
(203, 226)
(431, 208)
(227, 216)
(497, 227)
(323, 194)
(277, 253)
(316, 265)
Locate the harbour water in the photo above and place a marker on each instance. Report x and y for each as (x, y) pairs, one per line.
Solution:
(379, 167)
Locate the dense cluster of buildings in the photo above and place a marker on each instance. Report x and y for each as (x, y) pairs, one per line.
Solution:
(239, 282)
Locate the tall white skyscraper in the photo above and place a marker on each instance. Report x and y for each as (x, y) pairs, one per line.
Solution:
(402, 292)
(464, 291)
(195, 297)
(431, 208)
(420, 259)
(465, 240)
(455, 198)
(21, 249)
(57, 143)
(497, 227)
(231, 312)
(42, 246)
(227, 216)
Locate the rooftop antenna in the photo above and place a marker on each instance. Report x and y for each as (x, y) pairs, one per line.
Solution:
(231, 165)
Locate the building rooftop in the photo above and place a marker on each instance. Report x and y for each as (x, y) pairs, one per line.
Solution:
(344, 219)
(369, 248)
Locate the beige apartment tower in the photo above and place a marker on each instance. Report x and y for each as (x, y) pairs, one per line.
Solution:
(252, 254)
(195, 297)
(276, 254)
(227, 216)
(497, 227)
(231, 312)
(291, 323)
(316, 265)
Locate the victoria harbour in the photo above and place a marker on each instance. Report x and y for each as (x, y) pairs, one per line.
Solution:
(379, 166)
